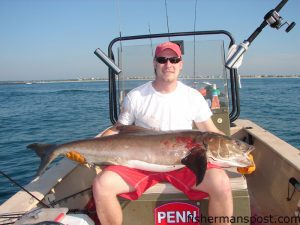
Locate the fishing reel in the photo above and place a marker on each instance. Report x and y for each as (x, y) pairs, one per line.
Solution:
(275, 21)
(272, 18)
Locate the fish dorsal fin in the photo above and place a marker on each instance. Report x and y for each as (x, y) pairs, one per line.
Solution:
(132, 129)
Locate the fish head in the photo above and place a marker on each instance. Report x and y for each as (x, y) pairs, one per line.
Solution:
(225, 151)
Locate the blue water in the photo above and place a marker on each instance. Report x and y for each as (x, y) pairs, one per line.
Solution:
(273, 103)
(61, 112)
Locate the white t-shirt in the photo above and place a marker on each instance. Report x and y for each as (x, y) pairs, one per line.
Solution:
(145, 107)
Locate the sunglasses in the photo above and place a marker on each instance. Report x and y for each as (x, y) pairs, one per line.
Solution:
(163, 60)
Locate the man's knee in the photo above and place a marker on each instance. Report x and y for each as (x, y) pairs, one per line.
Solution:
(220, 183)
(109, 183)
(101, 186)
(216, 182)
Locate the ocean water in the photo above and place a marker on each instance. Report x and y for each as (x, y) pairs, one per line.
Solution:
(62, 112)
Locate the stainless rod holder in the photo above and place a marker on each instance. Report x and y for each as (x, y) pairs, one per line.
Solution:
(104, 58)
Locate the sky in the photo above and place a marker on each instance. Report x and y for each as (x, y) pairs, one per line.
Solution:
(56, 39)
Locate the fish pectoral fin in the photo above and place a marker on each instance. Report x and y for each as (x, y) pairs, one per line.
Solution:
(197, 162)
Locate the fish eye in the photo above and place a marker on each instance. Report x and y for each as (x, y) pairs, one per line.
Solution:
(238, 143)
(210, 139)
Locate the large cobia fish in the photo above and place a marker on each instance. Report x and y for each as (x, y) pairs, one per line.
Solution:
(152, 151)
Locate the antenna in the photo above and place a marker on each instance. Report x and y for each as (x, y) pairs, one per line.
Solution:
(150, 40)
(167, 17)
(119, 20)
(195, 19)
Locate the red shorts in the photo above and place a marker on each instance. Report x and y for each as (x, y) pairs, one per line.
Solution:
(183, 179)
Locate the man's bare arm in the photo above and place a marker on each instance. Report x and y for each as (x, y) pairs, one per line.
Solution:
(208, 126)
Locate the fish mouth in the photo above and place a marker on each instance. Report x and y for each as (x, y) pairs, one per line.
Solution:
(242, 161)
(251, 148)
(246, 162)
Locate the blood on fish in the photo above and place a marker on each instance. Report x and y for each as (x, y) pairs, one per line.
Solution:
(166, 143)
(189, 142)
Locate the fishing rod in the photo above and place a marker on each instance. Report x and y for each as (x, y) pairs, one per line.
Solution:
(53, 203)
(273, 19)
(12, 217)
(20, 186)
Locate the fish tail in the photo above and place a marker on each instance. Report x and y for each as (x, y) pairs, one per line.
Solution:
(45, 152)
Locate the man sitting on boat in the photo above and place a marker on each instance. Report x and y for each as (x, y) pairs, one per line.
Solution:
(162, 104)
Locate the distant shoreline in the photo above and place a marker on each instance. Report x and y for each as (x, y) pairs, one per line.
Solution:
(270, 76)
(51, 81)
(135, 78)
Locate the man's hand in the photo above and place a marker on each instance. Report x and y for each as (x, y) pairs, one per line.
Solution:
(110, 131)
